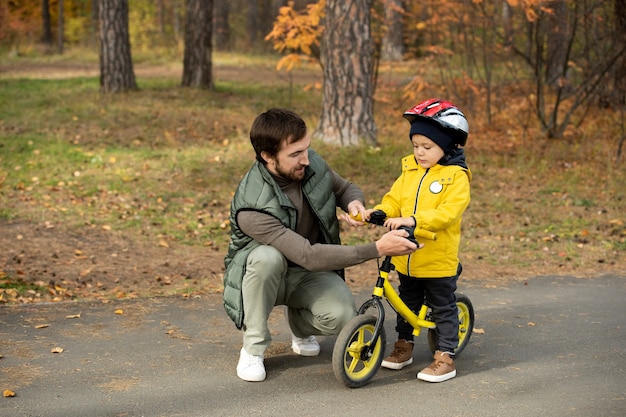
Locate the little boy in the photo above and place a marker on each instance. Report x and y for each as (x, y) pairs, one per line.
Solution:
(432, 193)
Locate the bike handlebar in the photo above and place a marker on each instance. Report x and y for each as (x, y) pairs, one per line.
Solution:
(378, 217)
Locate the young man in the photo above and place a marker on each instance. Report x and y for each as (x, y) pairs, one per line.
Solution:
(285, 247)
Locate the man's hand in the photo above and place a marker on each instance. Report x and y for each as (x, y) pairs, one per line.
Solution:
(395, 243)
(355, 207)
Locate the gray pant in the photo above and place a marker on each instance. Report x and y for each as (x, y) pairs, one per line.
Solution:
(319, 303)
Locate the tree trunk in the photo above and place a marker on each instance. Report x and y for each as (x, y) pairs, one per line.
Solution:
(620, 42)
(393, 39)
(252, 23)
(61, 37)
(116, 65)
(46, 37)
(197, 60)
(507, 23)
(347, 58)
(221, 28)
(556, 53)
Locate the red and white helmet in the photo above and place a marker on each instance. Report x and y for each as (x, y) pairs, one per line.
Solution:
(443, 113)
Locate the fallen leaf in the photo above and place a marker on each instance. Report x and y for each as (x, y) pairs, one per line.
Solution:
(57, 350)
(118, 311)
(73, 316)
(41, 326)
(532, 324)
(8, 393)
(479, 331)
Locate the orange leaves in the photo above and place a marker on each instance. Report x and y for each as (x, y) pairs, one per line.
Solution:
(296, 33)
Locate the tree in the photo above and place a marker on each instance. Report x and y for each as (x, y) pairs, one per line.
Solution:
(197, 61)
(347, 59)
(116, 65)
(586, 52)
(61, 29)
(556, 42)
(393, 39)
(221, 29)
(620, 39)
(46, 37)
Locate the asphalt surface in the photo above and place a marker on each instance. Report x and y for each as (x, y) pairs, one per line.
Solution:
(553, 346)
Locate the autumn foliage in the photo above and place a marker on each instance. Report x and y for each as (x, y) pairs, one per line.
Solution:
(296, 35)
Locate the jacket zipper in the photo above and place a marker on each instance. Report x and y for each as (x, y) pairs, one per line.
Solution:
(419, 187)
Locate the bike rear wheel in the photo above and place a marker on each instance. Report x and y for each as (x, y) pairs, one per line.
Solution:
(354, 363)
(466, 325)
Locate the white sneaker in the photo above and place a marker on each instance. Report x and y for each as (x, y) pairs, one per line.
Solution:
(250, 367)
(307, 346)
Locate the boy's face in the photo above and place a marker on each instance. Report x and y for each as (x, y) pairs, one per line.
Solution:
(427, 153)
(291, 160)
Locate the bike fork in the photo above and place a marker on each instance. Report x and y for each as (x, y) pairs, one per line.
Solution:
(375, 302)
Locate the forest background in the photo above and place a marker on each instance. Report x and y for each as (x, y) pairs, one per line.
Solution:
(126, 195)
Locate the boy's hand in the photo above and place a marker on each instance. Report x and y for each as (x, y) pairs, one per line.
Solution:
(397, 222)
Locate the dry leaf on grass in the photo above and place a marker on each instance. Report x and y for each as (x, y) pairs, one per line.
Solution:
(57, 350)
(8, 393)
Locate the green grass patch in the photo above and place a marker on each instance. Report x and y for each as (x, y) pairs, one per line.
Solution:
(162, 163)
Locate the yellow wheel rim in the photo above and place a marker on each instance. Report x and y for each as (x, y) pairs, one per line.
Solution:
(354, 365)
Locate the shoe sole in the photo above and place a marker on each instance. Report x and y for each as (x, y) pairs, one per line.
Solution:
(436, 378)
(258, 378)
(395, 365)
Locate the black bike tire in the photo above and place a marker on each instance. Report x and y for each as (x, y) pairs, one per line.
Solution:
(361, 325)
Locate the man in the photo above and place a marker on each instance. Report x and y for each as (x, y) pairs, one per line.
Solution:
(285, 247)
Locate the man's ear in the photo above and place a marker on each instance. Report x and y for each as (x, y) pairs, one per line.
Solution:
(266, 156)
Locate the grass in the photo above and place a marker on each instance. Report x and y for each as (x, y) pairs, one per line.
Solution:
(162, 163)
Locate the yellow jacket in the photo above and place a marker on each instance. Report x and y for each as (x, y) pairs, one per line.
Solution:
(436, 198)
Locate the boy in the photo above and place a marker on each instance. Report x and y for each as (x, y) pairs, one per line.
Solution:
(432, 193)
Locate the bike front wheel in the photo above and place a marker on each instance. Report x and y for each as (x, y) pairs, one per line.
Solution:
(466, 325)
(356, 356)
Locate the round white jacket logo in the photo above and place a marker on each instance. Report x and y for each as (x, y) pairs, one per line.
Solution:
(436, 187)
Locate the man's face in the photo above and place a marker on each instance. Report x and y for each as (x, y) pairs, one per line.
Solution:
(291, 160)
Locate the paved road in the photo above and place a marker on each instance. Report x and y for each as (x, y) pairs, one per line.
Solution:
(551, 347)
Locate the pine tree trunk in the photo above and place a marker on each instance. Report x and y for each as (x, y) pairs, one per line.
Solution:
(46, 37)
(116, 65)
(61, 29)
(221, 29)
(620, 42)
(197, 61)
(347, 58)
(393, 39)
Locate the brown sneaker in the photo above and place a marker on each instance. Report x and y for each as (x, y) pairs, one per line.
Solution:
(440, 370)
(401, 356)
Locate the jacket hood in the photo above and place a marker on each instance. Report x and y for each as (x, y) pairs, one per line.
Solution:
(456, 157)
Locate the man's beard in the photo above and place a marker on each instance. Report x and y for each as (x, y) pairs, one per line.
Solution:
(293, 175)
